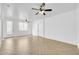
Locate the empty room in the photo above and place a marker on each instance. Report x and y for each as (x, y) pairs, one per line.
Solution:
(39, 28)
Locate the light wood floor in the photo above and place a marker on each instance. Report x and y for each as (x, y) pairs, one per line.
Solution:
(32, 45)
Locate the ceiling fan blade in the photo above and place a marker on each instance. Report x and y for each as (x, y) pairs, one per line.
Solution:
(35, 9)
(37, 13)
(48, 10)
(44, 14)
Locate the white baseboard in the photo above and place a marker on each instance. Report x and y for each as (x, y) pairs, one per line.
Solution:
(16, 36)
(68, 42)
(62, 41)
(72, 43)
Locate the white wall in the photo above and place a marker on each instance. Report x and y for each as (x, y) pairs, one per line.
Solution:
(0, 28)
(77, 24)
(59, 27)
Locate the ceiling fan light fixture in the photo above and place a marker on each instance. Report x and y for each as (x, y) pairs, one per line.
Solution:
(41, 12)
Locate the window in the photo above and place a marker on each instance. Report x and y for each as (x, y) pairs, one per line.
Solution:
(9, 27)
(23, 26)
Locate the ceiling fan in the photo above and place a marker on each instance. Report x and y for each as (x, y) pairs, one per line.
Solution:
(41, 9)
(27, 21)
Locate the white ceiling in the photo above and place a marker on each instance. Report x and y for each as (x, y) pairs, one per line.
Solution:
(25, 9)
